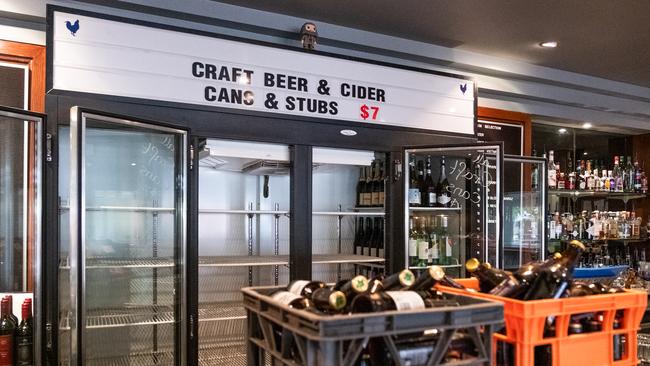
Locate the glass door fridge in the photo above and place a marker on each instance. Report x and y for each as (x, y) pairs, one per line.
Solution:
(123, 239)
(22, 158)
(524, 208)
(453, 206)
(243, 238)
(348, 213)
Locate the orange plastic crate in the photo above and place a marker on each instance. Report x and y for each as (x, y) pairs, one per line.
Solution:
(524, 327)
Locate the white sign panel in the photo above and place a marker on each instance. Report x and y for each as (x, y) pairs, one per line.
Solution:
(109, 57)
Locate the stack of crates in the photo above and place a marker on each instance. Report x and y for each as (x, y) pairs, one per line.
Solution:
(525, 328)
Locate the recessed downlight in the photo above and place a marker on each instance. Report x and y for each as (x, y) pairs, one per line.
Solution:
(587, 125)
(562, 131)
(348, 132)
(548, 44)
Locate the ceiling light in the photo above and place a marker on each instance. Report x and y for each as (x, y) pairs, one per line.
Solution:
(561, 130)
(348, 132)
(585, 153)
(550, 44)
(586, 125)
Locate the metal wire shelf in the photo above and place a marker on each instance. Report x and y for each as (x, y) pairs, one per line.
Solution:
(272, 260)
(234, 355)
(209, 312)
(148, 359)
(124, 317)
(113, 263)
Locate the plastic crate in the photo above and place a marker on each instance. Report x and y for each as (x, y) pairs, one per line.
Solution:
(339, 339)
(525, 323)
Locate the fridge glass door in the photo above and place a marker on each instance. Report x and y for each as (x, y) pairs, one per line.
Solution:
(453, 206)
(125, 253)
(524, 210)
(243, 238)
(21, 151)
(348, 213)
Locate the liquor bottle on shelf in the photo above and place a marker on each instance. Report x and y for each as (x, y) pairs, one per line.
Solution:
(25, 337)
(423, 245)
(369, 183)
(413, 243)
(415, 199)
(434, 251)
(637, 176)
(534, 178)
(644, 182)
(7, 333)
(361, 187)
(359, 236)
(430, 197)
(629, 176)
(442, 187)
(12, 316)
(552, 173)
(305, 288)
(618, 175)
(446, 245)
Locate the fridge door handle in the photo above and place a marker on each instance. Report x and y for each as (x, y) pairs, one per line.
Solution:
(48, 336)
(48, 147)
(191, 326)
(397, 169)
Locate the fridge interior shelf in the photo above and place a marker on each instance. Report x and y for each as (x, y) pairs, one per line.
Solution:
(123, 209)
(125, 317)
(145, 359)
(271, 260)
(114, 263)
(210, 312)
(441, 265)
(435, 209)
(347, 213)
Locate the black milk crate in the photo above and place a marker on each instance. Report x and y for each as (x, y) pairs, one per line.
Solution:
(338, 340)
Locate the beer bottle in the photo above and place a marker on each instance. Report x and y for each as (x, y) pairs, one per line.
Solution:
(396, 281)
(488, 278)
(429, 278)
(305, 288)
(552, 281)
(351, 288)
(328, 300)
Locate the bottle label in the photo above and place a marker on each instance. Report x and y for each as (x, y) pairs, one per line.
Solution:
(24, 351)
(552, 178)
(443, 199)
(361, 198)
(414, 196)
(432, 198)
(413, 247)
(382, 196)
(406, 300)
(582, 184)
(297, 287)
(6, 350)
(284, 297)
(367, 199)
(423, 250)
(375, 198)
(448, 246)
(435, 252)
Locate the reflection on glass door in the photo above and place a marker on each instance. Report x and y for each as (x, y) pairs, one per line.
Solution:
(124, 256)
(21, 187)
(453, 206)
(524, 205)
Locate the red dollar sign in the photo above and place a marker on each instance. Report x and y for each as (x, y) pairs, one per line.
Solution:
(364, 111)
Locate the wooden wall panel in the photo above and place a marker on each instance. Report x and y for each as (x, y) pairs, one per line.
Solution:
(34, 57)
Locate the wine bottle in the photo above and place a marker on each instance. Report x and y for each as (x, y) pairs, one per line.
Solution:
(351, 288)
(423, 245)
(423, 192)
(294, 301)
(517, 286)
(434, 250)
(13, 317)
(390, 300)
(367, 240)
(442, 188)
(7, 330)
(414, 198)
(329, 300)
(487, 277)
(368, 192)
(552, 281)
(379, 238)
(552, 173)
(358, 237)
(25, 337)
(305, 288)
(375, 187)
(396, 281)
(446, 246)
(430, 198)
(429, 278)
(413, 243)
(361, 187)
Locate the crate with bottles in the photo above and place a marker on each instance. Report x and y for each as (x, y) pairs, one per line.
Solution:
(623, 175)
(387, 320)
(552, 319)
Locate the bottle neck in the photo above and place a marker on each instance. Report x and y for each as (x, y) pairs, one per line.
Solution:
(26, 311)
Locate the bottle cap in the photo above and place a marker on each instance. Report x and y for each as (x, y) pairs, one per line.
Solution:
(337, 300)
(557, 255)
(578, 244)
(360, 284)
(406, 278)
(437, 273)
(472, 264)
(487, 265)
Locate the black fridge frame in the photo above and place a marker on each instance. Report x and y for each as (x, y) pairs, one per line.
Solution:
(300, 133)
